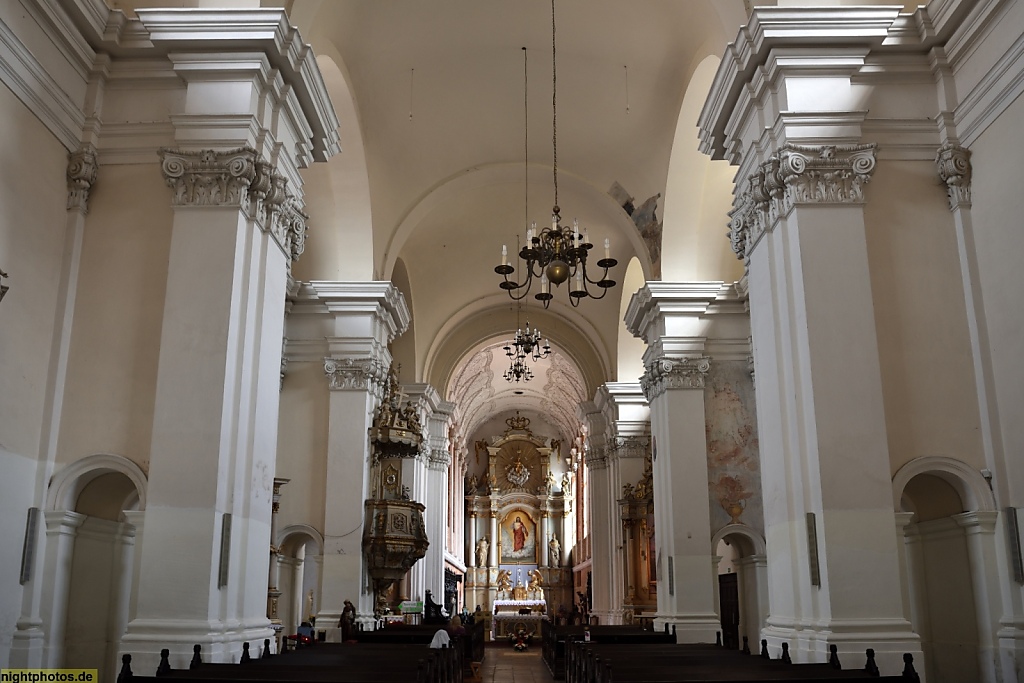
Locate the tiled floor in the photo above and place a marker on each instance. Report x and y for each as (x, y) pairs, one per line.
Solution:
(505, 665)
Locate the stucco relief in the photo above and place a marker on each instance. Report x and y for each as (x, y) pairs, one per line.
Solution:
(734, 472)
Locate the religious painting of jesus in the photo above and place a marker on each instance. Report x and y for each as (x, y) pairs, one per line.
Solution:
(518, 539)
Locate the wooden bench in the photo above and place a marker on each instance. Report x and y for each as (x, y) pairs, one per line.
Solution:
(554, 638)
(614, 663)
(355, 663)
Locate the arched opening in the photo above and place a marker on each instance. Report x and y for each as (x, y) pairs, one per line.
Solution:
(95, 506)
(299, 577)
(941, 576)
(631, 349)
(742, 600)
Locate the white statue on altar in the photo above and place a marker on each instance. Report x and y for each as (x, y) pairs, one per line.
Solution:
(481, 551)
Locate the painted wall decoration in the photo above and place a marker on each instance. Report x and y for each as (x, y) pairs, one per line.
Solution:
(518, 534)
(734, 468)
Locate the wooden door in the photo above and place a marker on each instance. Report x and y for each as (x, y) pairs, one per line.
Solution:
(729, 606)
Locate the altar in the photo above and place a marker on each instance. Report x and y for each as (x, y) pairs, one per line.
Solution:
(511, 616)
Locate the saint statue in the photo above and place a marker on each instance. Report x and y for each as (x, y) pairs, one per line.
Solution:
(554, 552)
(481, 551)
(519, 534)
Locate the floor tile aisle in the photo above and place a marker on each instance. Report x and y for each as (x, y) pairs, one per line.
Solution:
(505, 665)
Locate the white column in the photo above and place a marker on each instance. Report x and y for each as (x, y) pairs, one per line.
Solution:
(492, 560)
(471, 538)
(603, 515)
(59, 549)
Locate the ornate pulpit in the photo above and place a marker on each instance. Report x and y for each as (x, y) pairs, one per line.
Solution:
(394, 535)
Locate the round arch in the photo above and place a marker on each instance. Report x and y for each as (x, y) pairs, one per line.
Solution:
(752, 543)
(294, 535)
(967, 481)
(68, 482)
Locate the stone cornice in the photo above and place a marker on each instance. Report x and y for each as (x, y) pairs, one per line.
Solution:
(81, 174)
(664, 373)
(954, 166)
(158, 33)
(651, 304)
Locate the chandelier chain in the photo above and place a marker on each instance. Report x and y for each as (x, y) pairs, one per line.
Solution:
(554, 103)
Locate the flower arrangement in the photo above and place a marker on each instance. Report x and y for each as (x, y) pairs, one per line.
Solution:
(520, 640)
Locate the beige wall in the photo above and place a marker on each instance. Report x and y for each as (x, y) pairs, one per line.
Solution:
(302, 445)
(115, 341)
(924, 349)
(32, 218)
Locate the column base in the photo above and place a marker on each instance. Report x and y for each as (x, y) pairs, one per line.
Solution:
(690, 628)
(889, 638)
(28, 645)
(607, 617)
(1009, 659)
(221, 642)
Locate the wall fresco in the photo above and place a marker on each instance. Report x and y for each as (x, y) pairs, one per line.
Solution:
(734, 472)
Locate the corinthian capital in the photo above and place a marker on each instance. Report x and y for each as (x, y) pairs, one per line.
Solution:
(671, 373)
(208, 177)
(954, 166)
(826, 174)
(81, 175)
(346, 374)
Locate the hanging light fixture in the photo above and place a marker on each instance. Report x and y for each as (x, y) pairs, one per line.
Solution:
(558, 253)
(528, 345)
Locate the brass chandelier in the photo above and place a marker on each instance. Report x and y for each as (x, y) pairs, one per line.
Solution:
(525, 346)
(559, 253)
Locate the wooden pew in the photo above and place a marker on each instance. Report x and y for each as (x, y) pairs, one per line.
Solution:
(320, 664)
(604, 663)
(554, 638)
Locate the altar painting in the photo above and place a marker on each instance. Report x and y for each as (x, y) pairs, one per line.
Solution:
(518, 534)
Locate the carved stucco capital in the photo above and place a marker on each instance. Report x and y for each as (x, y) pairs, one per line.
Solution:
(239, 178)
(596, 458)
(356, 374)
(630, 447)
(438, 459)
(207, 177)
(797, 174)
(81, 174)
(954, 166)
(662, 374)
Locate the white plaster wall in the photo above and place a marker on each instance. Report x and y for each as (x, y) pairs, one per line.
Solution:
(698, 197)
(115, 341)
(32, 217)
(999, 239)
(302, 446)
(920, 316)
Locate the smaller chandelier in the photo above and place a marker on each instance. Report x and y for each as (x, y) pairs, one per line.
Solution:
(556, 255)
(528, 344)
(518, 371)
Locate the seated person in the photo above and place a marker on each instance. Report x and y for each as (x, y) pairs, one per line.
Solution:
(455, 627)
(441, 639)
(304, 634)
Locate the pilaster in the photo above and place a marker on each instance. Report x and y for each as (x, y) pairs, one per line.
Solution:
(345, 327)
(796, 132)
(685, 325)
